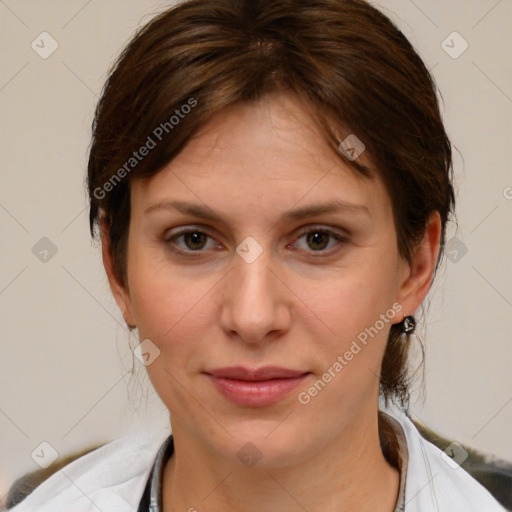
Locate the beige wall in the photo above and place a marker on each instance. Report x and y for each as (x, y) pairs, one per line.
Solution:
(64, 350)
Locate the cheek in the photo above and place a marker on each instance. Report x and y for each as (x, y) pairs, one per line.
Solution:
(175, 313)
(173, 305)
(170, 310)
(353, 298)
(359, 313)
(356, 304)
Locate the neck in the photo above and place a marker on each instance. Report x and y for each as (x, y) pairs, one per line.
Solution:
(350, 473)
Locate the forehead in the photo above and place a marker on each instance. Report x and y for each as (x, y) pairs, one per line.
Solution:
(264, 155)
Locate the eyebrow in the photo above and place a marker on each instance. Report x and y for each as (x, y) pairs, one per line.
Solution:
(304, 212)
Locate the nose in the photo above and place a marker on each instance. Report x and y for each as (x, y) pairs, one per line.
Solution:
(255, 302)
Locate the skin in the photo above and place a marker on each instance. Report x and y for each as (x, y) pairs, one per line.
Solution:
(299, 305)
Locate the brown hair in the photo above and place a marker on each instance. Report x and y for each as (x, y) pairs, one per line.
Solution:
(348, 63)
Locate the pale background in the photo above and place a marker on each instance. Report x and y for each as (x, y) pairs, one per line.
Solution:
(64, 349)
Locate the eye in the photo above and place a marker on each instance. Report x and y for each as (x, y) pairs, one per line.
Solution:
(193, 240)
(321, 240)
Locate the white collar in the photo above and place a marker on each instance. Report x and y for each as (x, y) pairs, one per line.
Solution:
(433, 482)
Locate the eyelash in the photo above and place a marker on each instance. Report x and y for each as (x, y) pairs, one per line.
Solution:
(341, 239)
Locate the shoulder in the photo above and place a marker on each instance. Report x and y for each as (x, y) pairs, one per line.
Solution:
(111, 477)
(435, 481)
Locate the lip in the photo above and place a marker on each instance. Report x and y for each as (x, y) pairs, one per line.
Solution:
(256, 387)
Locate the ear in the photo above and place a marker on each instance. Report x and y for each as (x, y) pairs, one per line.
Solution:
(119, 289)
(416, 277)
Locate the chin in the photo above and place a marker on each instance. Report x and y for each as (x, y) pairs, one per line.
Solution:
(263, 444)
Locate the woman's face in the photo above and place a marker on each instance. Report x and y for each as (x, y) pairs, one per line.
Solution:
(263, 279)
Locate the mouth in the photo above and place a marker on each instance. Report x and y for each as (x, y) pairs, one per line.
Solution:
(256, 388)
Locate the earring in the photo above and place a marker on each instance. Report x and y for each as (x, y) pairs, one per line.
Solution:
(130, 326)
(409, 324)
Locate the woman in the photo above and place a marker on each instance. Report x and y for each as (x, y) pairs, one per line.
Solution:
(272, 182)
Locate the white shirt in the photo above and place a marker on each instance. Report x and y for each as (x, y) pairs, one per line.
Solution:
(113, 478)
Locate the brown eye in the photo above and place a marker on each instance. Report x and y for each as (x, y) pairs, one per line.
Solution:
(194, 240)
(318, 240)
(189, 241)
(321, 241)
